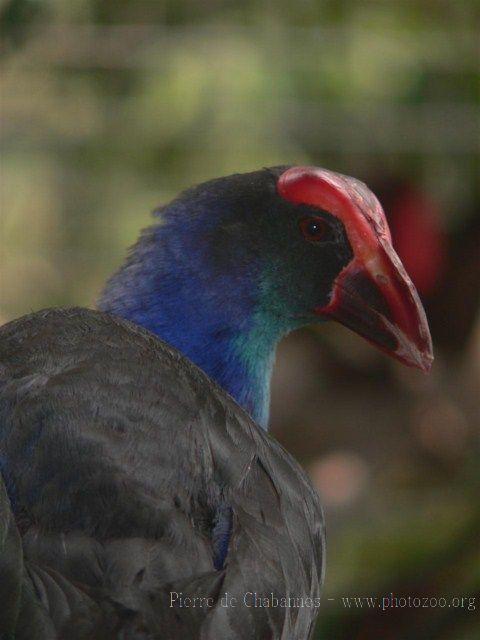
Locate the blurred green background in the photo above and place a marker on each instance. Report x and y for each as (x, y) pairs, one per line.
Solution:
(109, 108)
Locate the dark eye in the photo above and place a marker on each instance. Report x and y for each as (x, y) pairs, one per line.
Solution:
(313, 228)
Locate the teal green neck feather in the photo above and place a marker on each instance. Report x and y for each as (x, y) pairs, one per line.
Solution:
(256, 352)
(256, 349)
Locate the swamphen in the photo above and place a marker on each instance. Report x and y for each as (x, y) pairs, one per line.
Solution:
(143, 497)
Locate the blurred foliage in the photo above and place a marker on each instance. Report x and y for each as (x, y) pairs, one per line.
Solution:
(110, 107)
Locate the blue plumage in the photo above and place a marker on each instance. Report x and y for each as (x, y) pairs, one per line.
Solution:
(177, 286)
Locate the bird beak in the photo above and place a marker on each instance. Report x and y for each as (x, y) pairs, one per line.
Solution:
(374, 297)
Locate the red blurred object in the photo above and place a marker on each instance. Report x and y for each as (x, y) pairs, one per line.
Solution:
(418, 235)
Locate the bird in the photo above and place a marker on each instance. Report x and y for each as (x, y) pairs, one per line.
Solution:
(141, 494)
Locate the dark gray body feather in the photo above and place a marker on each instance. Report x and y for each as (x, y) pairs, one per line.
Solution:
(117, 456)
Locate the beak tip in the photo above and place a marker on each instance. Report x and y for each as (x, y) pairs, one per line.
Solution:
(427, 362)
(420, 359)
(426, 354)
(414, 348)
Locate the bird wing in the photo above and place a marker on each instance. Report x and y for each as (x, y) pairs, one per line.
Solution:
(146, 501)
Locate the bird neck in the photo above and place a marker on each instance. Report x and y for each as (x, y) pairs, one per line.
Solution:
(217, 321)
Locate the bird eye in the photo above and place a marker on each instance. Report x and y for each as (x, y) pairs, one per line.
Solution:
(313, 228)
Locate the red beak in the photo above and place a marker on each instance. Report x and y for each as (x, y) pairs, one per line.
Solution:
(380, 303)
(373, 295)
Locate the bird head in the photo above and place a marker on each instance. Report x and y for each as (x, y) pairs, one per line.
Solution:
(237, 262)
(315, 245)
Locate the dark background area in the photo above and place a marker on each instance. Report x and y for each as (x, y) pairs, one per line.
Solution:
(109, 108)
